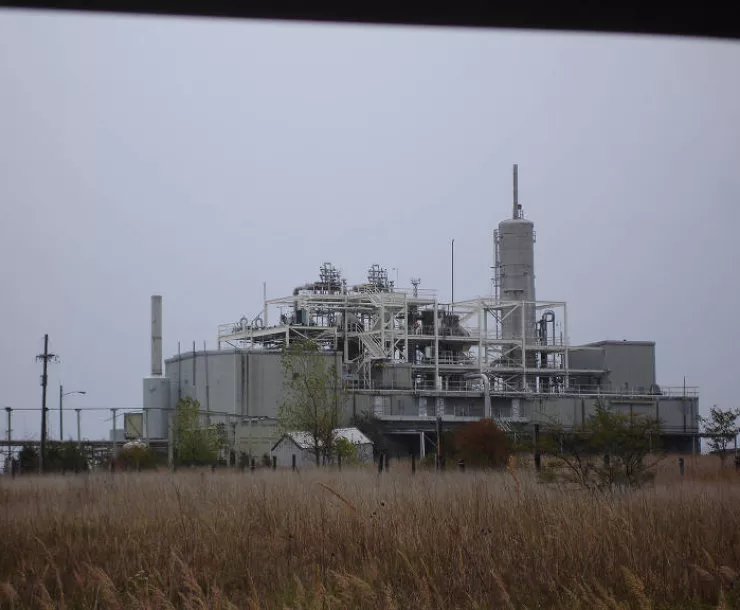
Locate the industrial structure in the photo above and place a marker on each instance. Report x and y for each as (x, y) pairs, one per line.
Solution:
(407, 358)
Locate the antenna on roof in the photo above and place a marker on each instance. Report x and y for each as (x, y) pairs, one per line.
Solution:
(517, 207)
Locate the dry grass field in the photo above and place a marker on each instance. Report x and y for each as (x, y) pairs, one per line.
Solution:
(353, 539)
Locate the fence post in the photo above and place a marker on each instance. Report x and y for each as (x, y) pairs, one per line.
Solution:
(387, 462)
(380, 463)
(339, 461)
(680, 465)
(252, 465)
(537, 455)
(413, 463)
(294, 461)
(274, 462)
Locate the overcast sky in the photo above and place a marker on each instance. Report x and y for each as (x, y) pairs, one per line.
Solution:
(198, 158)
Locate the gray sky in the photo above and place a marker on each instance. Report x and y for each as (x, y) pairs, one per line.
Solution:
(196, 158)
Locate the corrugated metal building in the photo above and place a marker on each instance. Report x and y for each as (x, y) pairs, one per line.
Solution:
(302, 446)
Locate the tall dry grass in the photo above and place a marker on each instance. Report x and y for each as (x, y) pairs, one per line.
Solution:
(358, 540)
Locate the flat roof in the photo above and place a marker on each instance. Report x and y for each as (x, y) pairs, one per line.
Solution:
(617, 342)
(230, 351)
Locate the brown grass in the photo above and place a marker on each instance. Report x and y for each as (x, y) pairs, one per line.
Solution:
(356, 540)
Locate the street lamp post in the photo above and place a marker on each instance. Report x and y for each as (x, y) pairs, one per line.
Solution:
(62, 394)
(79, 433)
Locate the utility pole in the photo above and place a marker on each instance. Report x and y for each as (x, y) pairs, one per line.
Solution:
(79, 435)
(115, 433)
(10, 437)
(61, 413)
(46, 357)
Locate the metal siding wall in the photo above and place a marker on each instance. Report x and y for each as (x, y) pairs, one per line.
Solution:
(263, 438)
(365, 454)
(586, 359)
(672, 414)
(284, 453)
(633, 364)
(223, 379)
(266, 387)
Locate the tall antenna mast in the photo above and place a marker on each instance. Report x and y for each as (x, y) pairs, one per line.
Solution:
(516, 192)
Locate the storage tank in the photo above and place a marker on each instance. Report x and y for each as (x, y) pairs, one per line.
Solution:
(156, 403)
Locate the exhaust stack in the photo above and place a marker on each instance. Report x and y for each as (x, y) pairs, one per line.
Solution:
(156, 336)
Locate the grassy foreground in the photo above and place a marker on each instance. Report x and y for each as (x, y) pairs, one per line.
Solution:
(353, 539)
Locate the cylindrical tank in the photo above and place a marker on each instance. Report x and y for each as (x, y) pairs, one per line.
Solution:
(516, 275)
(156, 403)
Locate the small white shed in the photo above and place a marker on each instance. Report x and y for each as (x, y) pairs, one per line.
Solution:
(301, 445)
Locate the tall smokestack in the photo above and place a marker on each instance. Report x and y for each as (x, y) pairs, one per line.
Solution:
(156, 336)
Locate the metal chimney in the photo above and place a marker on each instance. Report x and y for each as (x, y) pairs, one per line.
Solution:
(156, 336)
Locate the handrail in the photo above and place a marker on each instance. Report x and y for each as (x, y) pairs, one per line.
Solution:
(475, 387)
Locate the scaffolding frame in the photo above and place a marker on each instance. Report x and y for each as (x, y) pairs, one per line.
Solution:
(443, 343)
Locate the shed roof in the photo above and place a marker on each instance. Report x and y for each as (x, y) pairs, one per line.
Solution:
(304, 440)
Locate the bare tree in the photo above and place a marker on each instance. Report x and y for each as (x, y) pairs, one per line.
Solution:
(608, 449)
(315, 396)
(723, 425)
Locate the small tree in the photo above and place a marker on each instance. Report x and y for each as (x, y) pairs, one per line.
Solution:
(194, 444)
(608, 449)
(723, 424)
(27, 460)
(345, 450)
(314, 396)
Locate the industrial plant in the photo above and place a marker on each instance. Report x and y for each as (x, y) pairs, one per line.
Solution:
(407, 358)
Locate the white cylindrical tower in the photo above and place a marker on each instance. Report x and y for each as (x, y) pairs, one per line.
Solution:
(156, 399)
(515, 271)
(516, 275)
(156, 336)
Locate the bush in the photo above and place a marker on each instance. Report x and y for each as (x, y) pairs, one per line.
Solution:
(60, 457)
(139, 458)
(481, 444)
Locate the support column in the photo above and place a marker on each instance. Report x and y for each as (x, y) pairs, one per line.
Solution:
(485, 332)
(422, 445)
(406, 327)
(382, 323)
(438, 401)
(522, 311)
(480, 336)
